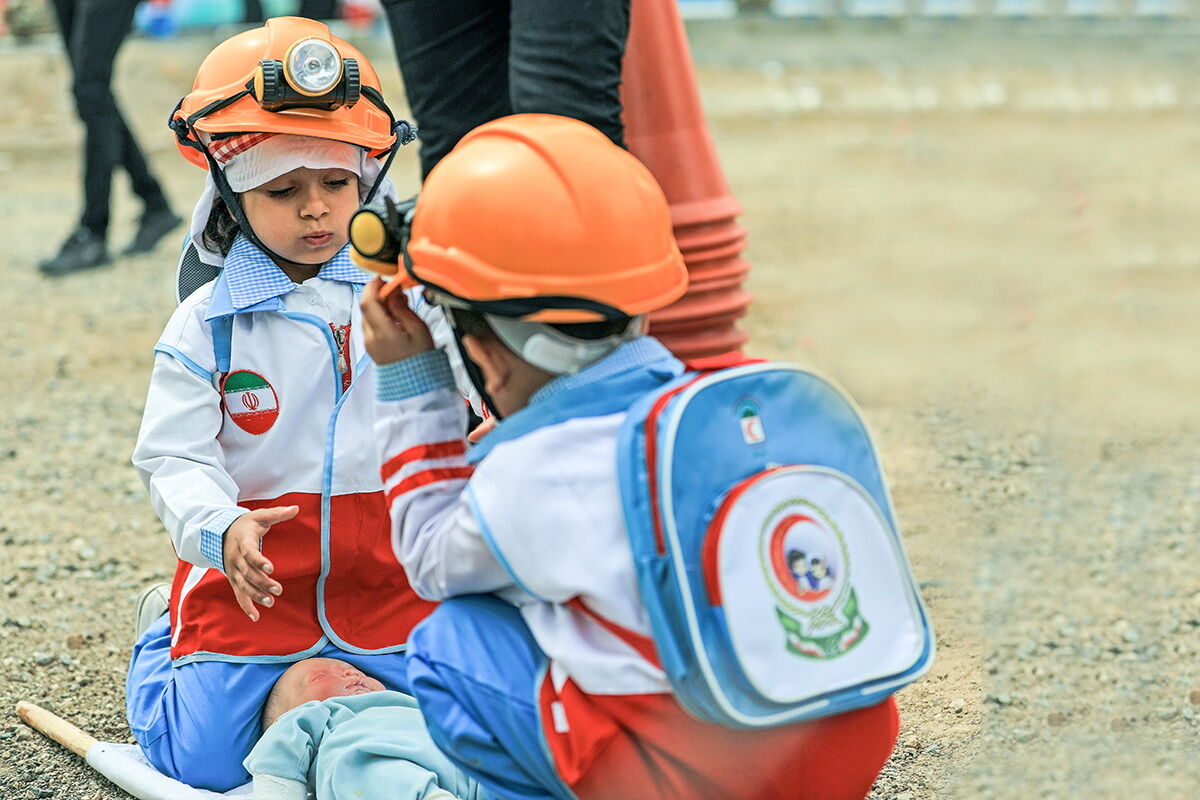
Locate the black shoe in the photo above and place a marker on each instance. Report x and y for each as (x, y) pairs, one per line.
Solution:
(154, 226)
(82, 250)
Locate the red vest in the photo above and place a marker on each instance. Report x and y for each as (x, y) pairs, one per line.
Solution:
(362, 602)
(295, 427)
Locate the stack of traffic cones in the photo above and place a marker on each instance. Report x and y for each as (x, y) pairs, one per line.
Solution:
(665, 128)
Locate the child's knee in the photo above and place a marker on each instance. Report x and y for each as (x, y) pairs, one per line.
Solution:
(184, 727)
(463, 630)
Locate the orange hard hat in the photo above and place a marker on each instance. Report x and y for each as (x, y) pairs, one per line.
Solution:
(231, 88)
(543, 218)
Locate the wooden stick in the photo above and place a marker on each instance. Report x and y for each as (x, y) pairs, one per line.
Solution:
(55, 727)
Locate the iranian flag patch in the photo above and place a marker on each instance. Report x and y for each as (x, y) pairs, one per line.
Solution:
(251, 401)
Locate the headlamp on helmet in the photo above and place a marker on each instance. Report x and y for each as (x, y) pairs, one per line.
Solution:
(312, 75)
(378, 232)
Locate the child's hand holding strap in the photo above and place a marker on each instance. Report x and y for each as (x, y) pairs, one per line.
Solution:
(245, 565)
(391, 330)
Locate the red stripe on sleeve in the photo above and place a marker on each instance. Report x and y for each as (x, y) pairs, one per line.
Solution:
(456, 447)
(426, 477)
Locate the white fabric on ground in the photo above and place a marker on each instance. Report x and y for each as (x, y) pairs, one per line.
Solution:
(124, 765)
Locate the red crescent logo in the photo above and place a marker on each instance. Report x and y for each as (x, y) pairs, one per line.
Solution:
(779, 559)
(250, 400)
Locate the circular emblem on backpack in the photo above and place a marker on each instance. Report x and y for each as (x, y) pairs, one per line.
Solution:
(807, 557)
(807, 566)
(250, 401)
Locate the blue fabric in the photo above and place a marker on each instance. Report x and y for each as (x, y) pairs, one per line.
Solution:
(196, 722)
(629, 372)
(639, 352)
(220, 303)
(372, 745)
(414, 376)
(176, 354)
(212, 537)
(475, 671)
(250, 276)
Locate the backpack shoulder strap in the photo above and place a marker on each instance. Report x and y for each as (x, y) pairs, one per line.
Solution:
(191, 273)
(222, 333)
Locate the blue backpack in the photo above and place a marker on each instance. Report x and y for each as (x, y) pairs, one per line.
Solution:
(766, 548)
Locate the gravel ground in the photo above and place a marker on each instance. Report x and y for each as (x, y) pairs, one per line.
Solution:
(988, 239)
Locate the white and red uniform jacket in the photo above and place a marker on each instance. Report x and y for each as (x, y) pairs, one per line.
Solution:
(288, 423)
(537, 520)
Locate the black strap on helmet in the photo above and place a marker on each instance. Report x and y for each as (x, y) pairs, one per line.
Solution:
(514, 306)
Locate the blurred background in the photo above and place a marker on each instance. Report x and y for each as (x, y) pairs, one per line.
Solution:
(978, 215)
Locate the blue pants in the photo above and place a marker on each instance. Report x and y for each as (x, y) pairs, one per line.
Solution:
(197, 722)
(475, 671)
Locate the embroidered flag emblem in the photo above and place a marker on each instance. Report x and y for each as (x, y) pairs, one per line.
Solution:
(250, 401)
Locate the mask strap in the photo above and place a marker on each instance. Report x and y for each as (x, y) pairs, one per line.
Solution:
(474, 373)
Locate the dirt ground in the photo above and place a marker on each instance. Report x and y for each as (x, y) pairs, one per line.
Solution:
(986, 234)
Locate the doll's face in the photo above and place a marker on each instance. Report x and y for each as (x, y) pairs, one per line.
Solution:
(304, 215)
(320, 679)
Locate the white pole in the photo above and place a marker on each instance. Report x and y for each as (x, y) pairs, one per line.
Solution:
(140, 780)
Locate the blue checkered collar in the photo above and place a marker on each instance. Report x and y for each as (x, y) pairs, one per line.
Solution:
(251, 281)
(639, 352)
(608, 386)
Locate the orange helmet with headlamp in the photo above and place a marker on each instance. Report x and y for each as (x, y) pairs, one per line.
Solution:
(289, 76)
(542, 218)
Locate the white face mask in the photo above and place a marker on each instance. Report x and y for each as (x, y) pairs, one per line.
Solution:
(552, 350)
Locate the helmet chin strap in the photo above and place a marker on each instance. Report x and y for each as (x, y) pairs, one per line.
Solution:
(235, 208)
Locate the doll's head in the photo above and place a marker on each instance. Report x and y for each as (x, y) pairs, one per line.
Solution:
(315, 679)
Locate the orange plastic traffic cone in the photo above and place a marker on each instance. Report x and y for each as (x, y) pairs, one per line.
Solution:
(665, 128)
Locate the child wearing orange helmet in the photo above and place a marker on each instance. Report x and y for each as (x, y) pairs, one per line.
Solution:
(547, 245)
(256, 439)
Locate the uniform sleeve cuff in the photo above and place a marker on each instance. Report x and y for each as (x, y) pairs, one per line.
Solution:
(424, 372)
(272, 787)
(212, 537)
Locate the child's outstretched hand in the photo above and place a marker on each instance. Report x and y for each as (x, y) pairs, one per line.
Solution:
(391, 330)
(245, 565)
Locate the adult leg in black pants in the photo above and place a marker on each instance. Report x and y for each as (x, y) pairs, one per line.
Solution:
(466, 62)
(313, 9)
(317, 9)
(93, 31)
(253, 12)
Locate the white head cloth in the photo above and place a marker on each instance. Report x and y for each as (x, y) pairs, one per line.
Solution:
(250, 160)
